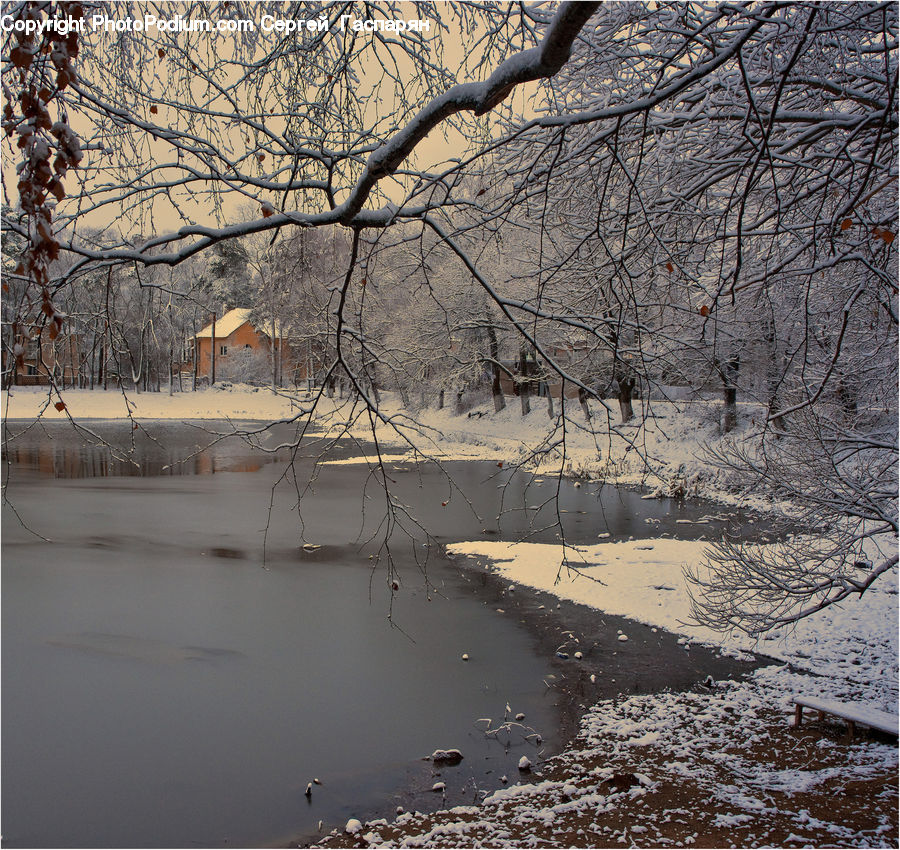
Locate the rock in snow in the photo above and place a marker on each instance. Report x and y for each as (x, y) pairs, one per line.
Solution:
(465, 656)
(438, 786)
(524, 763)
(447, 756)
(353, 826)
(623, 637)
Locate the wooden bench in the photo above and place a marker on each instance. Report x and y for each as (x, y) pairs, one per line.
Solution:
(853, 714)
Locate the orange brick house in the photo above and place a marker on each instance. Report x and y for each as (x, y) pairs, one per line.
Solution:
(242, 348)
(235, 334)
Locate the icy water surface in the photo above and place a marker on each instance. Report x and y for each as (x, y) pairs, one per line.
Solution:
(163, 686)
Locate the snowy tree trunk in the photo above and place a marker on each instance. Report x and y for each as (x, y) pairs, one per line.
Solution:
(524, 387)
(626, 390)
(496, 386)
(729, 394)
(583, 401)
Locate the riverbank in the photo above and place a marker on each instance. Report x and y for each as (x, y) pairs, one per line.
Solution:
(664, 448)
(713, 764)
(711, 761)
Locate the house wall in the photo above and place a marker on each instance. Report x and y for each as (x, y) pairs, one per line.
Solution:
(244, 336)
(43, 357)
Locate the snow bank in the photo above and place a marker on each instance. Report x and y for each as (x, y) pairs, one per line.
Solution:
(221, 402)
(852, 644)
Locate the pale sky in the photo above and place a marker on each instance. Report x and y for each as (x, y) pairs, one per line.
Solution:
(433, 151)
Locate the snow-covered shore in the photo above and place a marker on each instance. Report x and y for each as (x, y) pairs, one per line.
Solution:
(851, 648)
(224, 401)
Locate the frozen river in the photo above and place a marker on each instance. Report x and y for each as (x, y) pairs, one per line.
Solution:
(164, 687)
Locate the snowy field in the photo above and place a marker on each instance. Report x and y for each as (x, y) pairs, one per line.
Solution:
(848, 652)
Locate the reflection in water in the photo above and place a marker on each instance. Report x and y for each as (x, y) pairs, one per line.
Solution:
(56, 458)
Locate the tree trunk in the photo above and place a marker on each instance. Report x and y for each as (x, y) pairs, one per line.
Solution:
(729, 394)
(583, 401)
(524, 386)
(107, 333)
(773, 380)
(496, 386)
(847, 398)
(93, 365)
(778, 422)
(441, 400)
(626, 390)
(729, 410)
(550, 411)
(274, 351)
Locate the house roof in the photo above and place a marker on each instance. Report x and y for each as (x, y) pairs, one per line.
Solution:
(230, 322)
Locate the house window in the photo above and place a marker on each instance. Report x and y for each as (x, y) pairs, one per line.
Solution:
(247, 345)
(223, 349)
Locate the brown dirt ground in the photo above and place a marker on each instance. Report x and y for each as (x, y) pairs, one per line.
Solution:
(681, 814)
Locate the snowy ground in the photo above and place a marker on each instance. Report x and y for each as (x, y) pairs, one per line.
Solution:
(222, 402)
(757, 782)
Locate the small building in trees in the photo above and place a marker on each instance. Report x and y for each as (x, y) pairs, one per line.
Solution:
(236, 348)
(36, 358)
